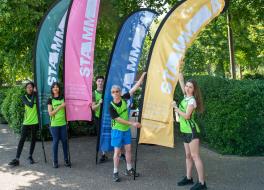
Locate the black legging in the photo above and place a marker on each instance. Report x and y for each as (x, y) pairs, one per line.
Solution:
(27, 130)
(97, 125)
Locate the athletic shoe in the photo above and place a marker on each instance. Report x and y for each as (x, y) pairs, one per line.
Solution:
(116, 177)
(123, 157)
(31, 160)
(103, 158)
(14, 162)
(199, 186)
(67, 163)
(55, 165)
(185, 181)
(131, 172)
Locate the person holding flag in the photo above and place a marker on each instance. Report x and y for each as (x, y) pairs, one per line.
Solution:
(58, 124)
(30, 124)
(191, 103)
(96, 107)
(121, 134)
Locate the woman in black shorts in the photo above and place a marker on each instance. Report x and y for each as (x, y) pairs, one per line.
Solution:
(191, 103)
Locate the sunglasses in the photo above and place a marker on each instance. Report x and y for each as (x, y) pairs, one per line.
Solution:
(117, 91)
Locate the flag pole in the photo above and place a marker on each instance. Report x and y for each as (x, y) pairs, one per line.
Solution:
(42, 144)
(139, 120)
(146, 69)
(64, 47)
(98, 134)
(35, 79)
(136, 153)
(68, 145)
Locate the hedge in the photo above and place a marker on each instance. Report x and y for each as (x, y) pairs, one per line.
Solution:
(3, 91)
(233, 121)
(12, 108)
(255, 76)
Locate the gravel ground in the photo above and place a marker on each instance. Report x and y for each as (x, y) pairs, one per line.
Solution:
(160, 168)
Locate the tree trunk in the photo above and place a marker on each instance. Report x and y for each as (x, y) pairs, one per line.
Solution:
(231, 47)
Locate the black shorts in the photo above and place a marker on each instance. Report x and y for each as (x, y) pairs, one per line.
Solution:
(188, 137)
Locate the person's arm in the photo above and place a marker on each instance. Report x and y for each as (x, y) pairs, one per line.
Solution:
(137, 85)
(96, 106)
(188, 113)
(26, 102)
(181, 81)
(114, 115)
(53, 112)
(125, 122)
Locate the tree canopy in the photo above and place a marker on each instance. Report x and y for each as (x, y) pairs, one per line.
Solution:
(19, 21)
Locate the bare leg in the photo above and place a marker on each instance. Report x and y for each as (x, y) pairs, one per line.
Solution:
(189, 161)
(128, 154)
(116, 158)
(195, 152)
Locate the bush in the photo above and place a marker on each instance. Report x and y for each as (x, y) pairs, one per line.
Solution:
(12, 108)
(3, 91)
(81, 128)
(234, 115)
(256, 76)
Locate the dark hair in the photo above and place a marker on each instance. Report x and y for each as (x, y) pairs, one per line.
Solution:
(99, 77)
(53, 85)
(30, 83)
(197, 95)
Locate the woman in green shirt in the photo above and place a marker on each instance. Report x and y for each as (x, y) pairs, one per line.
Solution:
(58, 128)
(30, 124)
(191, 103)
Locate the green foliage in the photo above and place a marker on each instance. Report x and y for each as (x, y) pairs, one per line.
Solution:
(208, 55)
(254, 76)
(248, 32)
(112, 14)
(80, 128)
(12, 108)
(19, 20)
(3, 91)
(234, 115)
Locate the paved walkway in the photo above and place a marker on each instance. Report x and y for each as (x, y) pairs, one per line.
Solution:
(160, 168)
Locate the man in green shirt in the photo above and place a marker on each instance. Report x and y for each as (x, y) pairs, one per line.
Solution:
(96, 107)
(121, 134)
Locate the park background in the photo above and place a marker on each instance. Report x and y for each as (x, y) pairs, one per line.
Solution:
(233, 89)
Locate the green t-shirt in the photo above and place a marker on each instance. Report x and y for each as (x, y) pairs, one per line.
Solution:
(186, 126)
(59, 119)
(31, 114)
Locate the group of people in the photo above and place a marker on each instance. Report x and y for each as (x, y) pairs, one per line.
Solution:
(120, 134)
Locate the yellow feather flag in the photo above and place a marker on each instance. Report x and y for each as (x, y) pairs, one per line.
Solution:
(175, 34)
